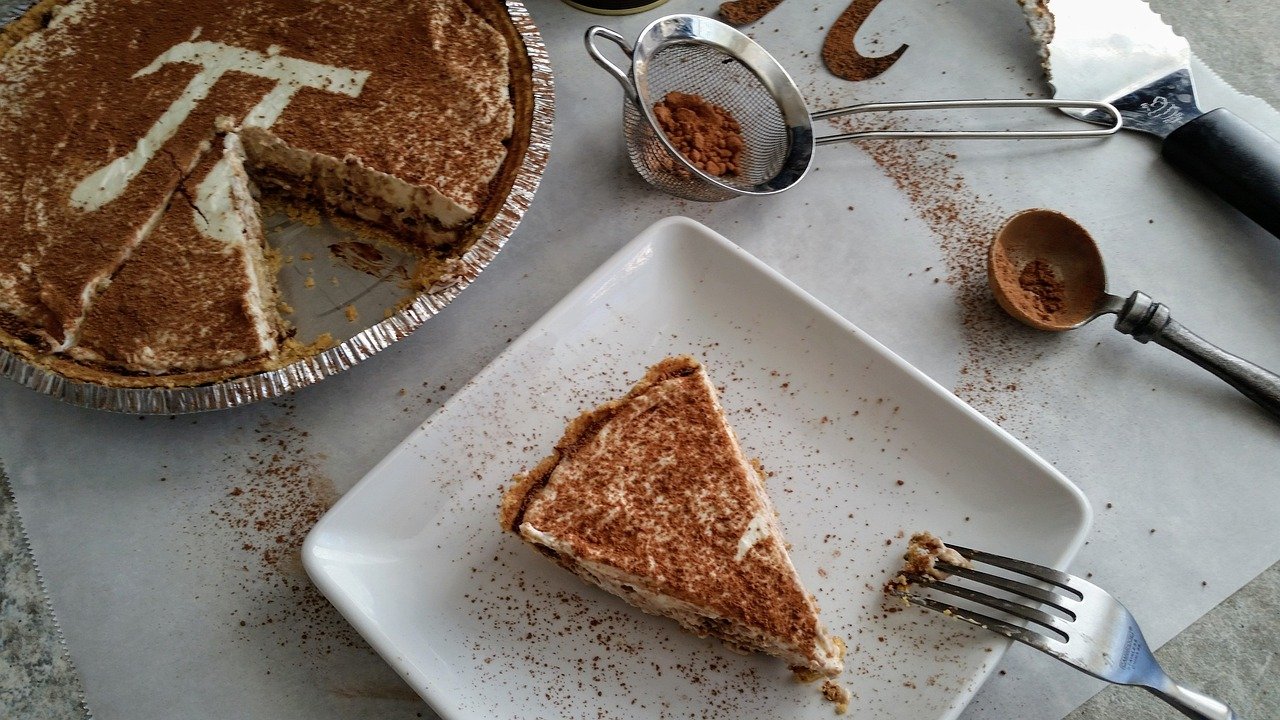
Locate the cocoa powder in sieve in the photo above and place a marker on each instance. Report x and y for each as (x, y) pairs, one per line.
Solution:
(702, 131)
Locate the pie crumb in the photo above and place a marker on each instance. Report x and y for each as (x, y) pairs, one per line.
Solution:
(838, 694)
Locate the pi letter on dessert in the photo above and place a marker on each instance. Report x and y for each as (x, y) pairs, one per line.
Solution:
(214, 60)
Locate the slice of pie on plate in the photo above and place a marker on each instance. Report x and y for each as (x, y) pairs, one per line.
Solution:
(651, 498)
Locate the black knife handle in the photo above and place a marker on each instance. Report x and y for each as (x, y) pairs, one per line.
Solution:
(1234, 159)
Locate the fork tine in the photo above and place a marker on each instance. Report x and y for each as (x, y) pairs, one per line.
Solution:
(1009, 630)
(1030, 592)
(1039, 572)
(1031, 614)
(1104, 641)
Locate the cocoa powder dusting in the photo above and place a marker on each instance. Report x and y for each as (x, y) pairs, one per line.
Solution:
(441, 60)
(671, 413)
(1043, 293)
(996, 357)
(269, 510)
(702, 131)
(840, 54)
(745, 12)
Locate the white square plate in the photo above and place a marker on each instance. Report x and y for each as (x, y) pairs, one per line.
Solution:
(862, 448)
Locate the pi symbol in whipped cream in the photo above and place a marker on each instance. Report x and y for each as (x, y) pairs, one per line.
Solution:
(214, 59)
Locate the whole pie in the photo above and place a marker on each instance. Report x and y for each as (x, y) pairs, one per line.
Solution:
(136, 138)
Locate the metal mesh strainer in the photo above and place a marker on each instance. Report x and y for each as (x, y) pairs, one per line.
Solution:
(700, 56)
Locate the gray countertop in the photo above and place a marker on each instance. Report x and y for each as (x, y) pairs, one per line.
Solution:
(1229, 653)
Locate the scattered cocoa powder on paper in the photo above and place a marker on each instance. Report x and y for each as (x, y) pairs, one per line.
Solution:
(705, 133)
(996, 355)
(839, 52)
(268, 511)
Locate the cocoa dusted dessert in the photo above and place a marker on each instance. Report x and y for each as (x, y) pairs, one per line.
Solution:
(137, 137)
(650, 497)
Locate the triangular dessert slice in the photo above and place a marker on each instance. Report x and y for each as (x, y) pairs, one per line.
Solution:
(202, 276)
(650, 498)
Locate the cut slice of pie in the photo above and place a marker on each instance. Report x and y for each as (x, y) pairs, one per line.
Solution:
(651, 498)
(202, 275)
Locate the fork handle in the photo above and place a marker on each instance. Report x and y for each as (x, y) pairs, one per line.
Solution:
(1193, 704)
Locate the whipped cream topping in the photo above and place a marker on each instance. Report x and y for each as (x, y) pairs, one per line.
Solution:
(758, 529)
(214, 60)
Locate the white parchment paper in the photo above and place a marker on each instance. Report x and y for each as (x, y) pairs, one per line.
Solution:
(167, 544)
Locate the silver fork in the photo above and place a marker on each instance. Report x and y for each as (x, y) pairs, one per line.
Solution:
(1091, 630)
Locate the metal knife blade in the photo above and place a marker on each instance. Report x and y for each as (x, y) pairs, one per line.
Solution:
(1122, 52)
(1118, 51)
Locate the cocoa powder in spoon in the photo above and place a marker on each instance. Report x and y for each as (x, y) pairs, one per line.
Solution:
(1043, 293)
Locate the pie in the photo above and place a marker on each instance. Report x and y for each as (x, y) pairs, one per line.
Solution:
(136, 139)
(650, 497)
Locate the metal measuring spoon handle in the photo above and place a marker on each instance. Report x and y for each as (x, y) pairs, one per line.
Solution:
(1147, 320)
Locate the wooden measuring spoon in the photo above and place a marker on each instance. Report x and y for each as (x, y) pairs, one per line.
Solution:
(1046, 271)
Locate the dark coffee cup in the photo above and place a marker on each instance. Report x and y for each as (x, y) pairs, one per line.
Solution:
(614, 7)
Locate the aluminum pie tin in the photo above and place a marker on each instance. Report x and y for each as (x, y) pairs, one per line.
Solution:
(462, 271)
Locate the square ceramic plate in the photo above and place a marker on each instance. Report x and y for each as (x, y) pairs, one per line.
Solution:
(862, 449)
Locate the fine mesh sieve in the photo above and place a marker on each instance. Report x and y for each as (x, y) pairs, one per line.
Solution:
(704, 57)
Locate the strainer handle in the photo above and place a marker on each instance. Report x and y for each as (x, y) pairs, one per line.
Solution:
(623, 78)
(1106, 108)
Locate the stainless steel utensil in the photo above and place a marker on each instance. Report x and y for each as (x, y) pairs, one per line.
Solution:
(705, 57)
(1070, 251)
(1083, 625)
(1122, 52)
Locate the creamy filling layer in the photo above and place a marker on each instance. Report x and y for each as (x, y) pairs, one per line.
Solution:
(245, 228)
(824, 657)
(351, 187)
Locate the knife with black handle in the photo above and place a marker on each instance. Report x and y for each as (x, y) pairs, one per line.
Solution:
(1120, 51)
(1240, 162)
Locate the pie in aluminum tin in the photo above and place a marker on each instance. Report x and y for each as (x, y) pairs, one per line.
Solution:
(312, 369)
